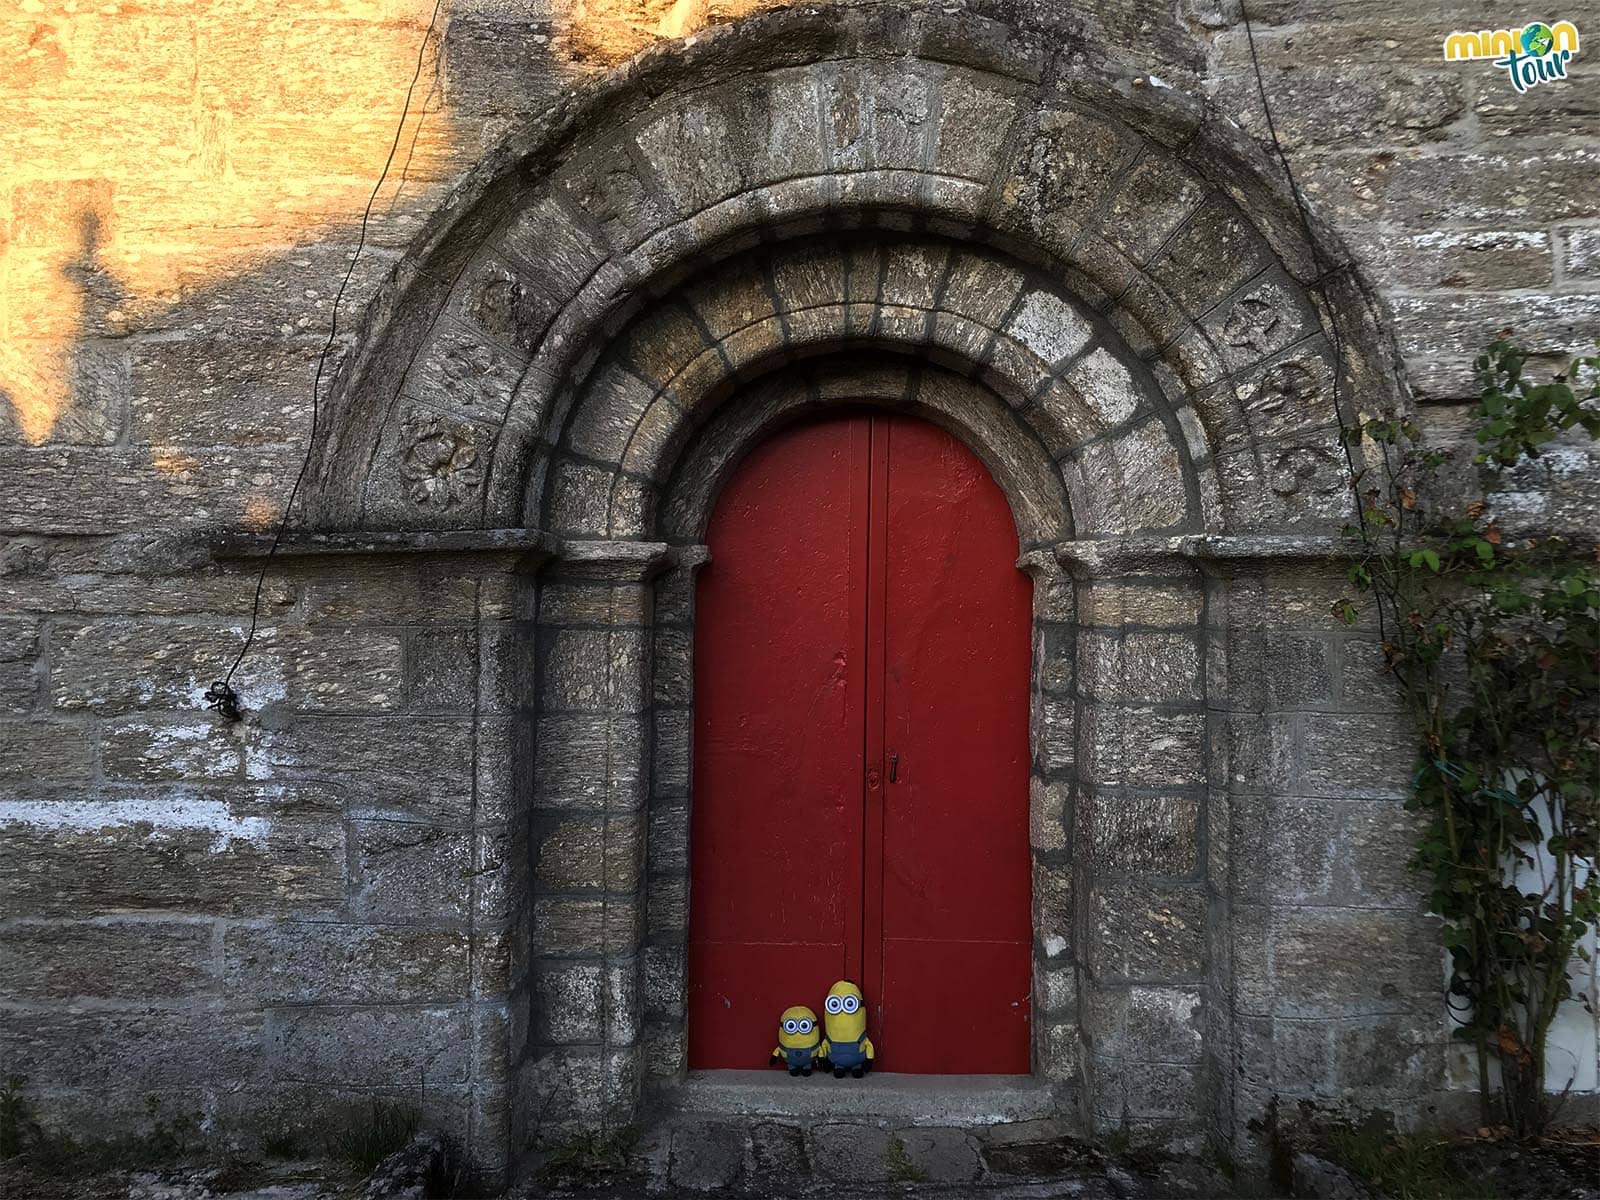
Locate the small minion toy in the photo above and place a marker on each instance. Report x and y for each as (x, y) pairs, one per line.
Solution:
(800, 1042)
(849, 1047)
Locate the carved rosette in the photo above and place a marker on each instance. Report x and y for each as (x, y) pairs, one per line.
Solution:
(1293, 385)
(439, 459)
(1308, 471)
(1251, 323)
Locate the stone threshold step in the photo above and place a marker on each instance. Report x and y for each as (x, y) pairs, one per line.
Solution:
(898, 1100)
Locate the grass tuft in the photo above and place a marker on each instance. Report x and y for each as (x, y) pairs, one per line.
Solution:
(901, 1168)
(1414, 1167)
(369, 1134)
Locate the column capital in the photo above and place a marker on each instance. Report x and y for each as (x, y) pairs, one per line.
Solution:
(611, 560)
(1102, 557)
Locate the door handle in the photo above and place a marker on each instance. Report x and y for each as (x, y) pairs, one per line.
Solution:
(894, 767)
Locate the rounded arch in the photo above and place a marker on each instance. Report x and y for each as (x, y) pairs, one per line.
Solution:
(1063, 406)
(961, 406)
(1151, 217)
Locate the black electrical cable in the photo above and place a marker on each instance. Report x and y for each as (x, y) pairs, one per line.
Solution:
(1320, 282)
(1324, 271)
(221, 697)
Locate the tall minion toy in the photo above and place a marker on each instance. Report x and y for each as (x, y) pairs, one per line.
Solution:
(849, 1047)
(800, 1043)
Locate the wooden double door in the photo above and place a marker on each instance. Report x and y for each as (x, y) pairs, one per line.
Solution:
(860, 805)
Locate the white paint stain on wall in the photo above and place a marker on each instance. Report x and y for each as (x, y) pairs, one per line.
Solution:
(165, 815)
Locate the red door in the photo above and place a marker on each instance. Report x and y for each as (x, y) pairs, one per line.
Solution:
(861, 751)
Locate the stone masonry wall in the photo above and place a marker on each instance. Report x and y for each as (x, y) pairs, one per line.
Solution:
(337, 898)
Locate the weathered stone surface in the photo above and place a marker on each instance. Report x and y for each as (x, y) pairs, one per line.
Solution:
(1321, 962)
(707, 1159)
(442, 669)
(1441, 335)
(1146, 1024)
(401, 766)
(853, 1153)
(1134, 601)
(381, 593)
(1145, 746)
(1261, 751)
(1323, 852)
(664, 981)
(1214, 252)
(1340, 107)
(1147, 933)
(567, 1005)
(72, 490)
(171, 747)
(303, 962)
(777, 123)
(1139, 666)
(34, 751)
(407, 872)
(1277, 671)
(369, 1047)
(1369, 756)
(222, 392)
(1157, 196)
(1130, 833)
(173, 851)
(109, 959)
(1107, 385)
(1579, 251)
(120, 665)
(595, 671)
(689, 149)
(1067, 162)
(585, 853)
(146, 1050)
(1510, 190)
(94, 411)
(1317, 1177)
(938, 1155)
(410, 1170)
(1049, 326)
(1469, 258)
(568, 747)
(975, 123)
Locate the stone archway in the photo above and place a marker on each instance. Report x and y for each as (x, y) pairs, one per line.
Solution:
(1098, 284)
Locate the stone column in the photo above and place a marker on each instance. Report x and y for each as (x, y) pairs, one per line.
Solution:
(1138, 828)
(1053, 747)
(667, 855)
(591, 770)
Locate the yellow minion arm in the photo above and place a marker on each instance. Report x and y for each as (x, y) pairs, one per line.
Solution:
(866, 1045)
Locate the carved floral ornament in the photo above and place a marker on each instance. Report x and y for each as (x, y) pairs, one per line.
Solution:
(439, 459)
(1307, 470)
(1251, 323)
(1295, 384)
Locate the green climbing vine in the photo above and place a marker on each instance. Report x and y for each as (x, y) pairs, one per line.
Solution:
(1492, 640)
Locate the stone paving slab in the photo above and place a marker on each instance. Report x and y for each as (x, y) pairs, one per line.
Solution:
(741, 1156)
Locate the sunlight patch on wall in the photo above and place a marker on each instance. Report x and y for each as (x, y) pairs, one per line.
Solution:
(605, 32)
(150, 150)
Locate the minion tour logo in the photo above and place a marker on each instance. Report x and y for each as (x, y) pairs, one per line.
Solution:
(1537, 53)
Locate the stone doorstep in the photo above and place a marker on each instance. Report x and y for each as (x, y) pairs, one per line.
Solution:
(895, 1101)
(750, 1155)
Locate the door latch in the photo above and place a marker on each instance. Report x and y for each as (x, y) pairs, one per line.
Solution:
(894, 767)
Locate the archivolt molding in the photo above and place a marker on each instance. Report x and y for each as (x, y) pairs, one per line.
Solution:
(490, 387)
(1017, 460)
